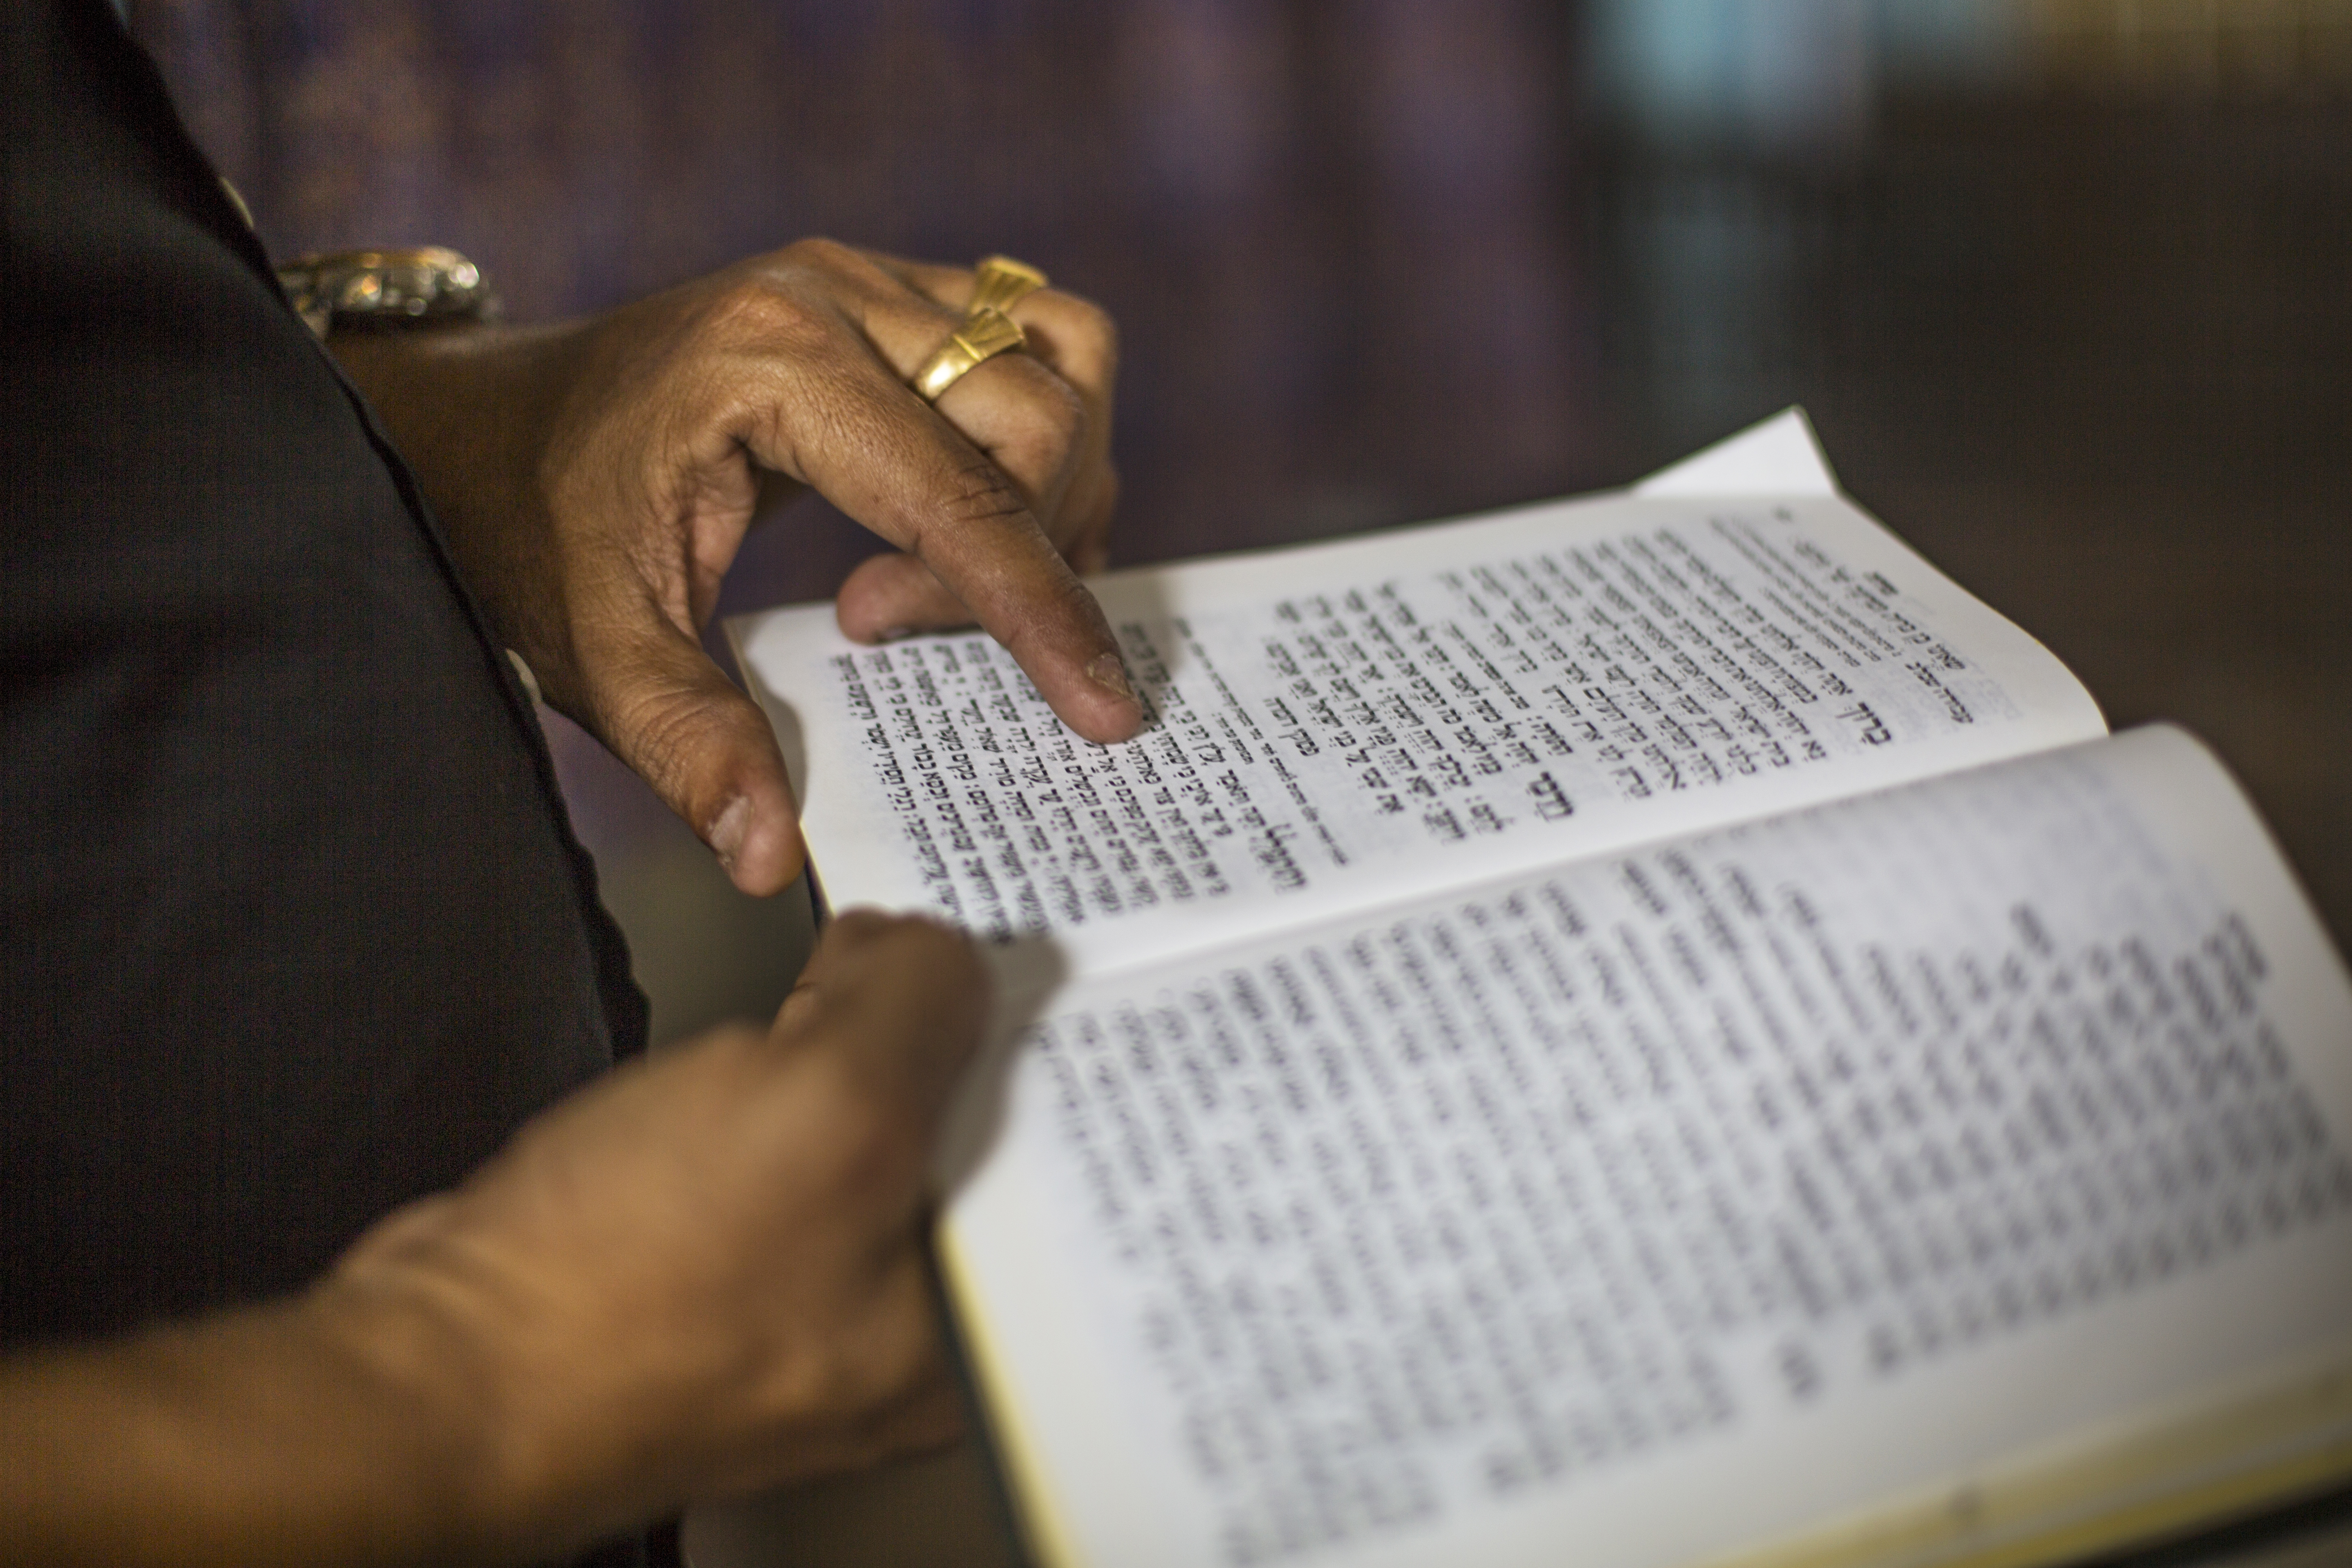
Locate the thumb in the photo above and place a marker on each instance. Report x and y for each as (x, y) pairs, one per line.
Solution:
(901, 999)
(656, 700)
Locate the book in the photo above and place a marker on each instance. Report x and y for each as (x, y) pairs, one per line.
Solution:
(1650, 1029)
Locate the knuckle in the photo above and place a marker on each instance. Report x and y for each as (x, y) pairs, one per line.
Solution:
(894, 1354)
(978, 495)
(1058, 409)
(1095, 322)
(878, 1148)
(942, 947)
(762, 309)
(941, 956)
(842, 271)
(857, 930)
(663, 731)
(1084, 324)
(863, 921)
(903, 1355)
(1043, 422)
(915, 952)
(820, 252)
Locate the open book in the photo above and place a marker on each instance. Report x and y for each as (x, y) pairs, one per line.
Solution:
(1644, 1030)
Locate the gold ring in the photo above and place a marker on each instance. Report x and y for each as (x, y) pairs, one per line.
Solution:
(999, 280)
(985, 333)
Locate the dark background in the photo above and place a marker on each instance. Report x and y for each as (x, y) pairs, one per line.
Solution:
(2064, 283)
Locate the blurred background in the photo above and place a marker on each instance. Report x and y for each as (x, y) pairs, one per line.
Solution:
(2064, 283)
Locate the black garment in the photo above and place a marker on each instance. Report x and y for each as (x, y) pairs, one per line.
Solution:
(292, 926)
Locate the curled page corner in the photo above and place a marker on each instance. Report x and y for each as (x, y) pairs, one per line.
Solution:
(1778, 457)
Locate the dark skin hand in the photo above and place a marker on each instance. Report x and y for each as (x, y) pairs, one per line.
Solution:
(702, 1276)
(596, 479)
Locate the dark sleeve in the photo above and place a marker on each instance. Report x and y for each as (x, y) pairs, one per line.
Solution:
(292, 926)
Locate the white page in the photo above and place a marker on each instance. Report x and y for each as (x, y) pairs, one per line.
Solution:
(1780, 457)
(1376, 717)
(1812, 1166)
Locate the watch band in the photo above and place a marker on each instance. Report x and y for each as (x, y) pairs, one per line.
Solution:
(426, 285)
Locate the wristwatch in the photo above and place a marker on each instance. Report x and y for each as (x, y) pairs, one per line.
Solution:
(420, 286)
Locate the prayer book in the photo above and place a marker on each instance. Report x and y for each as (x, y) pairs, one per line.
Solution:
(1650, 1029)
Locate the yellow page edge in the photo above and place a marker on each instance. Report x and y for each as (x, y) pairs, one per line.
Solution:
(1043, 1530)
(2096, 1496)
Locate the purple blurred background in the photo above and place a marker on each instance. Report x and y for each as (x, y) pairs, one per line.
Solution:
(2063, 282)
(1333, 233)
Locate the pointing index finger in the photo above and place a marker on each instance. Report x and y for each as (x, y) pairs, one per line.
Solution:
(847, 426)
(986, 547)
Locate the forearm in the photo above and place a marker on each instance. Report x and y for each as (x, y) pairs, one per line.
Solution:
(341, 1427)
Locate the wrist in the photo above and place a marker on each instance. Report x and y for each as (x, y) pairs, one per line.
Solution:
(428, 1378)
(395, 288)
(468, 407)
(470, 1351)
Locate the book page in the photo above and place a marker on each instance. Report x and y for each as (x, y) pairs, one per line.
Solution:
(1812, 1168)
(1380, 717)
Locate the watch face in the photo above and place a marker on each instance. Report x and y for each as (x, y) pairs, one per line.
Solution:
(426, 285)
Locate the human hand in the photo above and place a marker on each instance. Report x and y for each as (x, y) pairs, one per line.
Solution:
(704, 1275)
(596, 480)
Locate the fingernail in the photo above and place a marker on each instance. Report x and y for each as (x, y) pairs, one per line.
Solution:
(894, 633)
(728, 832)
(1109, 671)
